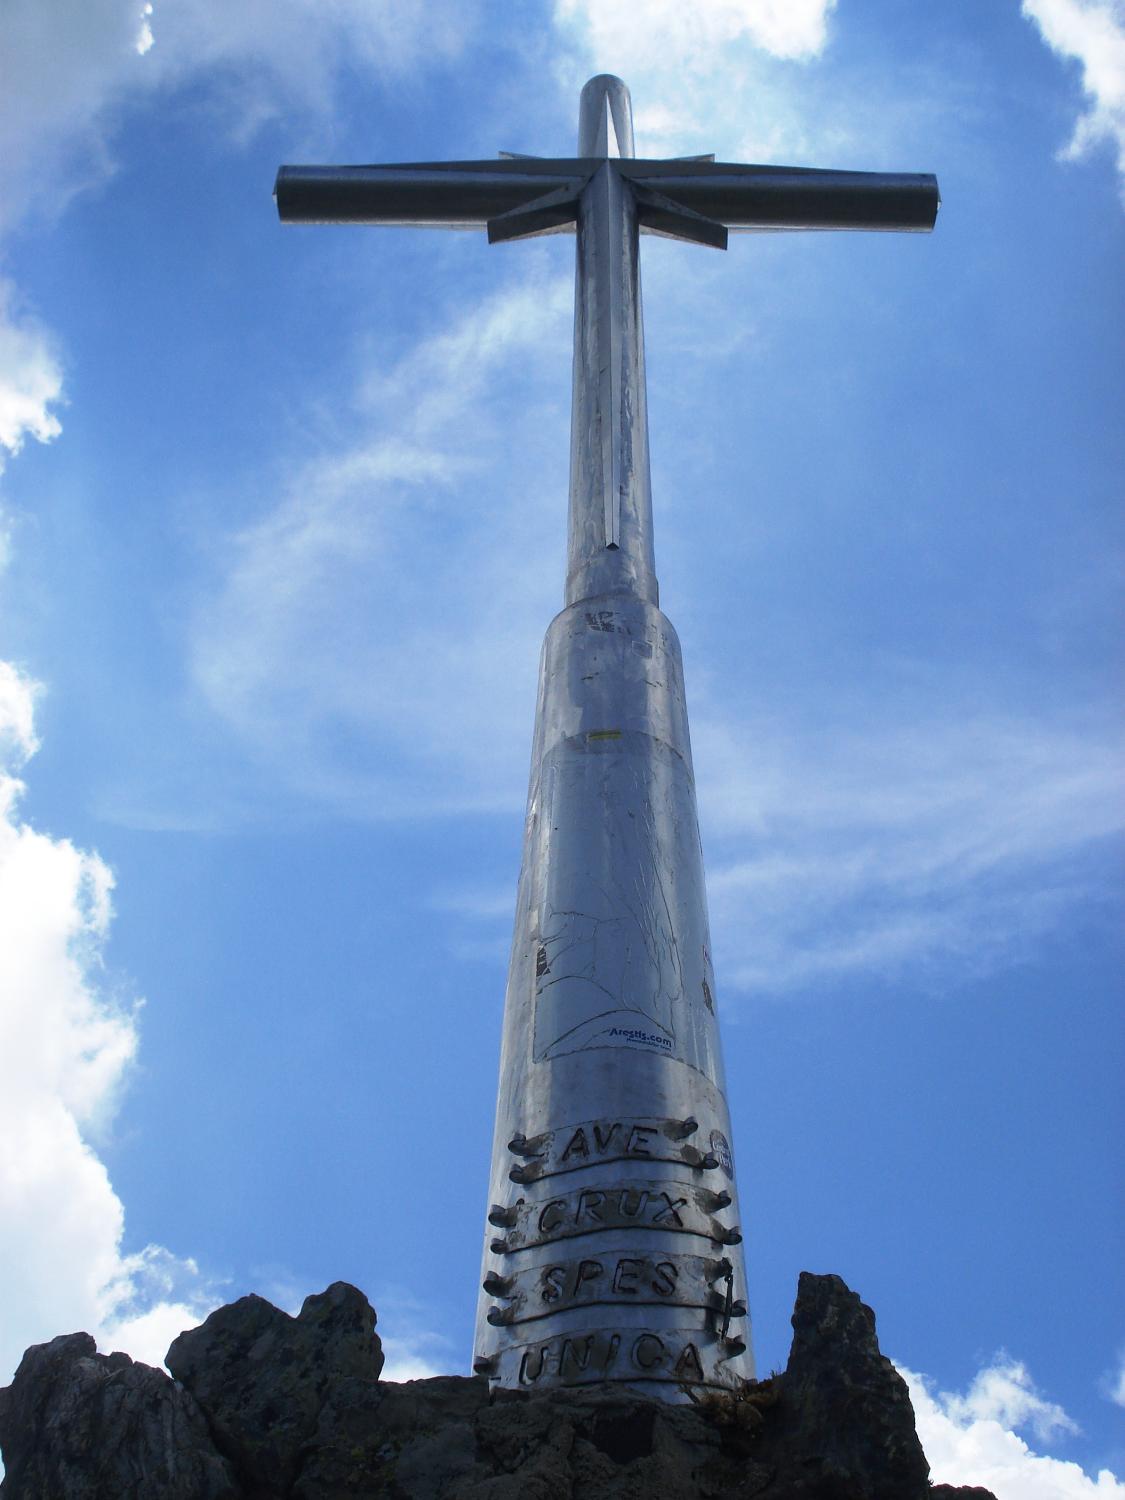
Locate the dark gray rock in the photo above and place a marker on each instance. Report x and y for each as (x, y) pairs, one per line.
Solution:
(418, 1438)
(296, 1406)
(79, 1425)
(960, 1492)
(838, 1425)
(450, 1439)
(263, 1377)
(843, 1424)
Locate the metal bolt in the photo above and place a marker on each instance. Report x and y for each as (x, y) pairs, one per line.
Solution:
(519, 1146)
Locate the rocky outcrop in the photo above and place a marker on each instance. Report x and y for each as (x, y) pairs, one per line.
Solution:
(845, 1409)
(263, 1377)
(79, 1425)
(269, 1407)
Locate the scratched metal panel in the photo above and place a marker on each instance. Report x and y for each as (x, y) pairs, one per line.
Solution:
(618, 919)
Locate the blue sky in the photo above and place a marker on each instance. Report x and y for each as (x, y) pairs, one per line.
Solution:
(283, 526)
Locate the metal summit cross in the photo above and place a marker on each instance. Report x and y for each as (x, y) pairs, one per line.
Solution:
(613, 1252)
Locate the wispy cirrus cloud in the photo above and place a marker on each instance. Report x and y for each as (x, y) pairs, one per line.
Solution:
(954, 846)
(71, 72)
(68, 75)
(367, 636)
(1091, 33)
(962, 839)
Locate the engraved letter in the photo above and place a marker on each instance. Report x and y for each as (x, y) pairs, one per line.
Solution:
(625, 1277)
(689, 1366)
(648, 1351)
(664, 1280)
(668, 1213)
(603, 1143)
(529, 1376)
(553, 1280)
(590, 1202)
(639, 1138)
(640, 1196)
(576, 1146)
(588, 1270)
(554, 1209)
(570, 1348)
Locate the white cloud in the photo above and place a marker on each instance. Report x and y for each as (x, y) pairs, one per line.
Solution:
(969, 1439)
(408, 1359)
(411, 1349)
(645, 33)
(30, 377)
(65, 1047)
(145, 37)
(17, 717)
(153, 1298)
(1093, 33)
(65, 67)
(961, 838)
(1114, 1385)
(741, 78)
(709, 75)
(1004, 1393)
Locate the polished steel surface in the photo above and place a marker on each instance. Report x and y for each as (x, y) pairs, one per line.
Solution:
(472, 194)
(613, 1243)
(612, 1149)
(605, 118)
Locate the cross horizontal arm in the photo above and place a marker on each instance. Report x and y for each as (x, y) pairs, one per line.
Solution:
(747, 198)
(470, 194)
(458, 195)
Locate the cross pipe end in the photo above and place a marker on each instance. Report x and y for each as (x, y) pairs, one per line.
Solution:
(605, 102)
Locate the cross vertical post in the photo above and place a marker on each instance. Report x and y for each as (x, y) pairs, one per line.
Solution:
(610, 547)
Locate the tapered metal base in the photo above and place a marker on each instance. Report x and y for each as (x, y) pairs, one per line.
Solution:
(613, 1251)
